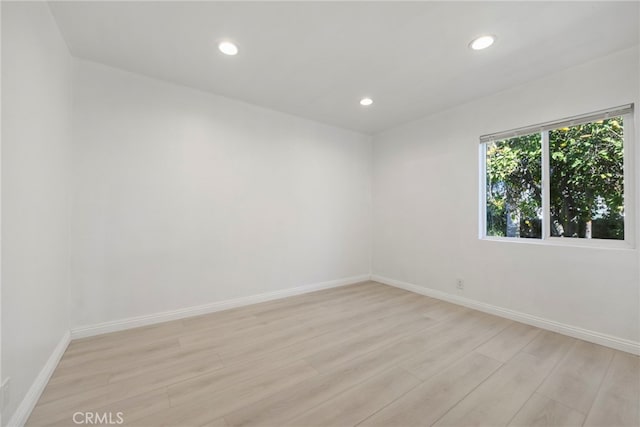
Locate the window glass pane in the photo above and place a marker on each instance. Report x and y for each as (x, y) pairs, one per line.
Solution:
(513, 185)
(587, 179)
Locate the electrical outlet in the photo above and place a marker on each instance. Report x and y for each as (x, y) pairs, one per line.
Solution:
(5, 396)
(460, 284)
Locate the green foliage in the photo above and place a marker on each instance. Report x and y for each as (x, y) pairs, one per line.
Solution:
(514, 189)
(586, 182)
(587, 179)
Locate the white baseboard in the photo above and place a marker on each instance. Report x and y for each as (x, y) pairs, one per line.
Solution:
(23, 411)
(572, 331)
(149, 319)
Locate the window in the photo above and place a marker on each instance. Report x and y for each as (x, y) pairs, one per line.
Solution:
(514, 187)
(562, 180)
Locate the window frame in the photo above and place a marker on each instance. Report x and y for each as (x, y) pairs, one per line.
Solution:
(629, 241)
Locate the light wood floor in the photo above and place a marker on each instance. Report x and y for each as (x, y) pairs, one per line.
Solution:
(364, 354)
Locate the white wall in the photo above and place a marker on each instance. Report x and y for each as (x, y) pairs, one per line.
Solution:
(36, 141)
(184, 198)
(425, 196)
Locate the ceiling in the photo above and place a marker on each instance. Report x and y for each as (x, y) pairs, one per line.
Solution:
(317, 59)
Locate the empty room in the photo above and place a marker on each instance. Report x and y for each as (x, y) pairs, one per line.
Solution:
(329, 214)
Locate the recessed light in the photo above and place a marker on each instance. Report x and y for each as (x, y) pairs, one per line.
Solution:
(482, 42)
(365, 102)
(228, 48)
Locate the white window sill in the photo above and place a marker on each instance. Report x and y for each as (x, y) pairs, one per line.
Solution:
(566, 242)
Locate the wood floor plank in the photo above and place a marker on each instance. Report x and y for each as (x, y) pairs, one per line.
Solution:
(500, 397)
(507, 343)
(136, 408)
(134, 363)
(60, 387)
(550, 345)
(127, 338)
(183, 416)
(199, 401)
(90, 399)
(205, 386)
(297, 351)
(576, 380)
(359, 402)
(218, 325)
(386, 333)
(133, 350)
(306, 329)
(424, 404)
(618, 400)
(540, 411)
(452, 342)
(283, 406)
(444, 310)
(199, 361)
(129, 410)
(323, 320)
